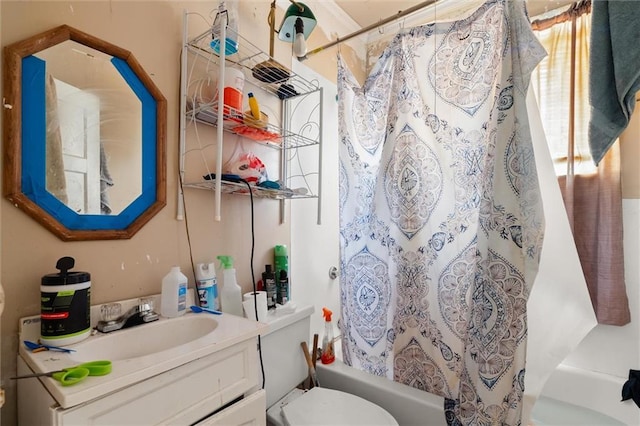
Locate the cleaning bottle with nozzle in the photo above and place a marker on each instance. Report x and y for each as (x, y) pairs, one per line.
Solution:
(328, 355)
(231, 293)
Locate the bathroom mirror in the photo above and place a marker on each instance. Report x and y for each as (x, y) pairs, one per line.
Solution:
(84, 136)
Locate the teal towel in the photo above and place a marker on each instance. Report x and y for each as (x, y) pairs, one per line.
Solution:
(614, 71)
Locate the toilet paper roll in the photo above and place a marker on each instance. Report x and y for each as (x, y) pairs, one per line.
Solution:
(249, 307)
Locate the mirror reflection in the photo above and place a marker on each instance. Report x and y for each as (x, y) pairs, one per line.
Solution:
(93, 130)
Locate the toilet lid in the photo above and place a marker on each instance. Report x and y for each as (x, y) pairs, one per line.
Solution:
(320, 406)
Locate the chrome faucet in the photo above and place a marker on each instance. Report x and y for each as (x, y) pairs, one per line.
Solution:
(140, 314)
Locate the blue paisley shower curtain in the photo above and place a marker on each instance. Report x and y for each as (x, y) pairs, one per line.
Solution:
(440, 215)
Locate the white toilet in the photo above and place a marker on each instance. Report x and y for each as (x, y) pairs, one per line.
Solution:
(285, 368)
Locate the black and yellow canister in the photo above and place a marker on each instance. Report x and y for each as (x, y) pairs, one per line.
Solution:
(65, 301)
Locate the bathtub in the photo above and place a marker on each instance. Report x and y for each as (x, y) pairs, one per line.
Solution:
(410, 406)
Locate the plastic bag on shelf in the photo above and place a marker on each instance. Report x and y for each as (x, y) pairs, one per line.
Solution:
(248, 166)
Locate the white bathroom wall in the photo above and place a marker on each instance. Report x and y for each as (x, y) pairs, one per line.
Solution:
(315, 247)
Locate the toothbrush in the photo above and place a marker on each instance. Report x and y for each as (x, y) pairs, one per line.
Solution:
(198, 309)
(37, 347)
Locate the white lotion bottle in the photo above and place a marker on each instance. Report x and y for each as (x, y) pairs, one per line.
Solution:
(174, 294)
(231, 293)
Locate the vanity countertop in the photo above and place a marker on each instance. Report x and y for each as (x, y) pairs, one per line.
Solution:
(228, 331)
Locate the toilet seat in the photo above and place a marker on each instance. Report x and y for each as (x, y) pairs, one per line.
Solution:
(321, 406)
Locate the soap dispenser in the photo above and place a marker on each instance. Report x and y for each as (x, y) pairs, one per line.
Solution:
(231, 293)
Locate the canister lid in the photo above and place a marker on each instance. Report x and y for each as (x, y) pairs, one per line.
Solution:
(65, 277)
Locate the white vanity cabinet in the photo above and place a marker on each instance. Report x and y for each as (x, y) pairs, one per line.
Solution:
(218, 389)
(196, 369)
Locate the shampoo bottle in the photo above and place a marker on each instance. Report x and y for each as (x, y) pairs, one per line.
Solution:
(173, 301)
(283, 288)
(328, 355)
(231, 293)
(207, 286)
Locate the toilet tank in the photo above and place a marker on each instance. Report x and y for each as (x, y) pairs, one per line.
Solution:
(284, 364)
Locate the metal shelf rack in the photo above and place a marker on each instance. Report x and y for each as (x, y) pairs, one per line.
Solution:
(260, 71)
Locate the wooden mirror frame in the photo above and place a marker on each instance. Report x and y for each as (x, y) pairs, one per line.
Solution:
(12, 119)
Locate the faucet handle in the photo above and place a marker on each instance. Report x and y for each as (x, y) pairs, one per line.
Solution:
(110, 311)
(145, 305)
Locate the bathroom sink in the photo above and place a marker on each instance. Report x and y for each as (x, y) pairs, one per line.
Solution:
(138, 353)
(146, 339)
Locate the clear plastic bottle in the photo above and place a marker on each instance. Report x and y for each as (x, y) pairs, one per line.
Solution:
(173, 302)
(231, 293)
(227, 14)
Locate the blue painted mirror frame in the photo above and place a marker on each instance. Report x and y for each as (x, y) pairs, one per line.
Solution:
(24, 175)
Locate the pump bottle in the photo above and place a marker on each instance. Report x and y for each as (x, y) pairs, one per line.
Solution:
(231, 293)
(328, 355)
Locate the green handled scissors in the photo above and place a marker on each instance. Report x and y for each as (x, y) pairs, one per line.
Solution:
(72, 375)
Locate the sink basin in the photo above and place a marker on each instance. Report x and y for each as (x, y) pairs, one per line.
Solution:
(146, 339)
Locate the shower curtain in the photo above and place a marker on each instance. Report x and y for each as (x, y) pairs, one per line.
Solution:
(440, 214)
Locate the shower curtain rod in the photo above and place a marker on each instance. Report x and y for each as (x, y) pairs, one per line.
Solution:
(368, 28)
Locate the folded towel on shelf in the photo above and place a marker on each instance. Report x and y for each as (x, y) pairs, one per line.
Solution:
(614, 71)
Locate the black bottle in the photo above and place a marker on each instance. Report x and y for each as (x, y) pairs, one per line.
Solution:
(270, 285)
(283, 287)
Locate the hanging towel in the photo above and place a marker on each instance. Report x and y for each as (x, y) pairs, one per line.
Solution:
(55, 176)
(106, 182)
(614, 76)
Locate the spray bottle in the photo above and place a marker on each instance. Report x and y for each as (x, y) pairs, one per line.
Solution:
(231, 293)
(328, 355)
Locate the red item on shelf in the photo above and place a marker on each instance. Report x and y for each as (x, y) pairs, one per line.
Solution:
(257, 134)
